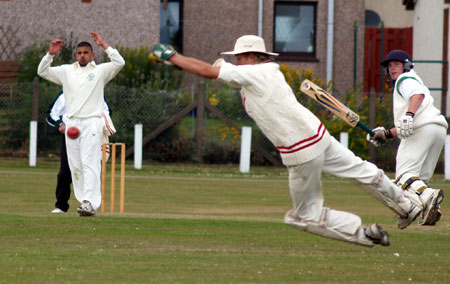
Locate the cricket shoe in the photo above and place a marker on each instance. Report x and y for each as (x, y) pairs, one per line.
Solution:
(377, 235)
(438, 216)
(414, 212)
(359, 238)
(85, 209)
(431, 211)
(57, 211)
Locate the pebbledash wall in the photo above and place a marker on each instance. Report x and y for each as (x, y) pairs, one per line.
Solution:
(210, 26)
(125, 23)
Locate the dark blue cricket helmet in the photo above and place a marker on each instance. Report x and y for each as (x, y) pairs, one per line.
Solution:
(399, 55)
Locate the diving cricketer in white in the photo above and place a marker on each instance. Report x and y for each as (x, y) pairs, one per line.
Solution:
(83, 86)
(306, 147)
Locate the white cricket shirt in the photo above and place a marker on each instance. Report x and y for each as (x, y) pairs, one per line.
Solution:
(82, 86)
(295, 131)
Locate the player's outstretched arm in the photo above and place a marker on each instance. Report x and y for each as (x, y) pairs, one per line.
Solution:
(195, 66)
(168, 55)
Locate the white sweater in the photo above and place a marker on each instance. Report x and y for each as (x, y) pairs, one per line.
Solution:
(407, 85)
(82, 86)
(297, 133)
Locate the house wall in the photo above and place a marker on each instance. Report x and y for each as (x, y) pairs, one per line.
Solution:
(319, 66)
(213, 28)
(346, 14)
(125, 23)
(428, 29)
(392, 12)
(210, 27)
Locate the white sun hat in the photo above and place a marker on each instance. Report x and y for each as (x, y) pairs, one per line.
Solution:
(249, 43)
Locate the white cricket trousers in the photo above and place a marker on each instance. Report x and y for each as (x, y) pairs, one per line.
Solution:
(306, 186)
(84, 156)
(419, 153)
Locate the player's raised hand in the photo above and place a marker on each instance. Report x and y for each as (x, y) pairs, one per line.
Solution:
(99, 40)
(55, 46)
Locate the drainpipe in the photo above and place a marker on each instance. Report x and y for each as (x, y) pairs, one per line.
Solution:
(330, 35)
(260, 18)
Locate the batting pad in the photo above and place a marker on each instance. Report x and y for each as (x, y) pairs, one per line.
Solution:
(385, 191)
(317, 229)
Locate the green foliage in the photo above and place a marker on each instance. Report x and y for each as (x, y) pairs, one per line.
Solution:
(30, 57)
(15, 116)
(140, 71)
(227, 100)
(139, 105)
(170, 147)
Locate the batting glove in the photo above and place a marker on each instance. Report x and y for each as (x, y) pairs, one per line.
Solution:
(380, 135)
(162, 52)
(405, 126)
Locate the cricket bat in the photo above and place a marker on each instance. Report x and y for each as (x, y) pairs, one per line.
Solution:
(331, 103)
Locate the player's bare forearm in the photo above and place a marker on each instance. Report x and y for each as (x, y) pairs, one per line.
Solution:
(415, 102)
(394, 131)
(195, 66)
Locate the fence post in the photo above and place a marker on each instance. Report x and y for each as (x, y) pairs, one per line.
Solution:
(200, 122)
(382, 58)
(447, 157)
(355, 50)
(33, 124)
(138, 146)
(246, 142)
(372, 122)
(343, 138)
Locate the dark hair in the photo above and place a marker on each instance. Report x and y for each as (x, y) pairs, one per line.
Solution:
(260, 57)
(85, 43)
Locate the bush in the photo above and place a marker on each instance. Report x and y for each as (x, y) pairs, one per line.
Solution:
(170, 147)
(30, 57)
(140, 72)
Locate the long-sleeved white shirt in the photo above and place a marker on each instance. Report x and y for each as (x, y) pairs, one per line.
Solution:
(296, 132)
(82, 86)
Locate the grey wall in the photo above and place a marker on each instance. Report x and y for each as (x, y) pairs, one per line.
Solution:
(126, 23)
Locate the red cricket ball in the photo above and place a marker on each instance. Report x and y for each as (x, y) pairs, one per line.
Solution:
(73, 132)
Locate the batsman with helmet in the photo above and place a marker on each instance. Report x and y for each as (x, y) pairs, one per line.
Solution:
(305, 146)
(422, 130)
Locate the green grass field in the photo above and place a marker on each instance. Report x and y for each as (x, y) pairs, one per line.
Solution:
(203, 224)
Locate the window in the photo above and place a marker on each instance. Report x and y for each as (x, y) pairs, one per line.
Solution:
(295, 30)
(171, 20)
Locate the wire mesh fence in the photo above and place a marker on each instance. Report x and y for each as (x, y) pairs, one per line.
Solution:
(130, 106)
(152, 108)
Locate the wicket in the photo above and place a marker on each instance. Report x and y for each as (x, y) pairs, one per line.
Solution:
(113, 175)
